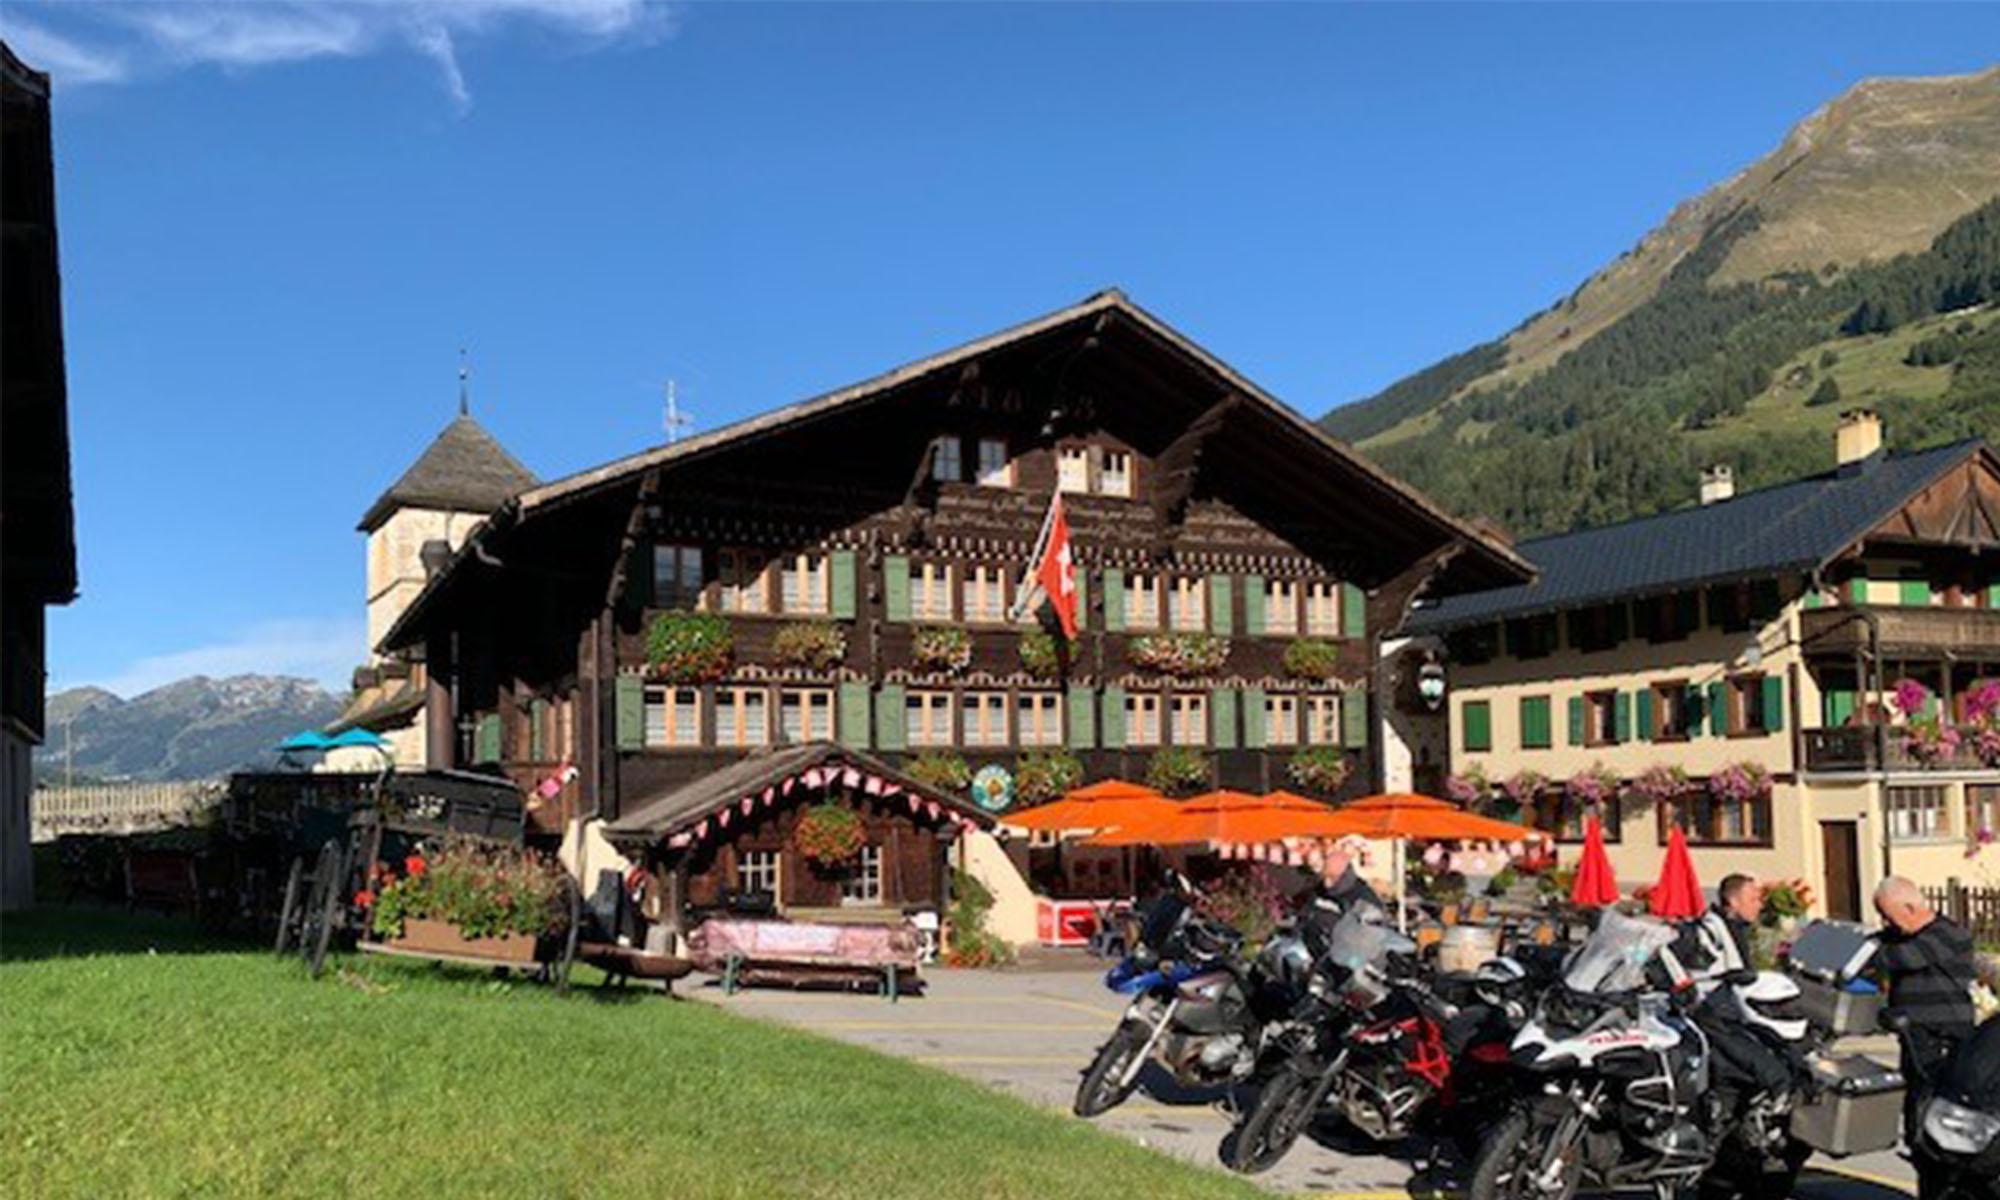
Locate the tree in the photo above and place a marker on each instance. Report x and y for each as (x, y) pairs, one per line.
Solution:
(1828, 392)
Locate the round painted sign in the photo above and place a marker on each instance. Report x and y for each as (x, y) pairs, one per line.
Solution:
(993, 788)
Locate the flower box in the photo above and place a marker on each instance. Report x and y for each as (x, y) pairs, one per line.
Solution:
(427, 936)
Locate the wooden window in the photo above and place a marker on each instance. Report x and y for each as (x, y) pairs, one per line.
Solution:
(1142, 602)
(986, 718)
(1186, 610)
(1475, 725)
(1142, 719)
(927, 718)
(745, 587)
(1114, 476)
(1073, 469)
(757, 871)
(806, 714)
(1747, 715)
(1281, 720)
(676, 576)
(1600, 718)
(996, 469)
(1673, 711)
(1600, 627)
(1563, 818)
(1281, 606)
(1537, 723)
(673, 717)
(930, 591)
(1982, 808)
(1531, 637)
(1918, 812)
(947, 464)
(802, 584)
(1707, 821)
(985, 591)
(1189, 714)
(1039, 718)
(862, 885)
(1323, 720)
(1323, 609)
(742, 716)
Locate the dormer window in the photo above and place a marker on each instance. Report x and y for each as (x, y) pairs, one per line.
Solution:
(1114, 477)
(1073, 468)
(947, 463)
(995, 468)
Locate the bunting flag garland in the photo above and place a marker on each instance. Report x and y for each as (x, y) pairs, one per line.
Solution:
(851, 777)
(749, 803)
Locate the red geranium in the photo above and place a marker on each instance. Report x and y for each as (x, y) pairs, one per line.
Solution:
(414, 864)
(364, 898)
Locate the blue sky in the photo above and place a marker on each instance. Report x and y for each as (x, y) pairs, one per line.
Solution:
(279, 223)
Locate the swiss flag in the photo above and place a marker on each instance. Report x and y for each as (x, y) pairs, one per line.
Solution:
(1055, 573)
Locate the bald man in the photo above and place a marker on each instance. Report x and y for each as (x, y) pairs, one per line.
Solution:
(1928, 963)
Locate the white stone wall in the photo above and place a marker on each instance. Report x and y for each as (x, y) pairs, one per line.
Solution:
(395, 566)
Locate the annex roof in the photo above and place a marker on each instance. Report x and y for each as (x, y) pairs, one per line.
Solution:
(1794, 526)
(464, 469)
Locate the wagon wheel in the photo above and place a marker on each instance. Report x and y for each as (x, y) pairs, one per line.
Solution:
(573, 900)
(322, 911)
(289, 911)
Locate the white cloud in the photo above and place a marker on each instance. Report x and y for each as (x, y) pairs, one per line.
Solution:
(108, 43)
(322, 648)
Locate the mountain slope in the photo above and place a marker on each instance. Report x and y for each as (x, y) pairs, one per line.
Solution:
(1877, 211)
(192, 728)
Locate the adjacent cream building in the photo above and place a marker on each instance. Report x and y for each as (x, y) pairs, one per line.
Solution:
(1769, 628)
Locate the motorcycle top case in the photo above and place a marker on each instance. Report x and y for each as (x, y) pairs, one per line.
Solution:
(1830, 951)
(1859, 1107)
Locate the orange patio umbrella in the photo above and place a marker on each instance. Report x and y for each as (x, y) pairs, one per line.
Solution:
(1106, 804)
(1677, 896)
(1403, 817)
(1228, 818)
(1595, 884)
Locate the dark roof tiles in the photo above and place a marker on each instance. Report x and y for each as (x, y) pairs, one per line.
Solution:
(464, 469)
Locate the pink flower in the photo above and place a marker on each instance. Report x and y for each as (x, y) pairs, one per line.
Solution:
(1911, 696)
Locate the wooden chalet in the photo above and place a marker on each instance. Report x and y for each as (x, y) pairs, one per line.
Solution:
(841, 571)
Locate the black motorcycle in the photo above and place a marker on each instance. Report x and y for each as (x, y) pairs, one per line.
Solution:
(1956, 1144)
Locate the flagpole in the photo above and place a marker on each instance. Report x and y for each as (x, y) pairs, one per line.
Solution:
(1030, 591)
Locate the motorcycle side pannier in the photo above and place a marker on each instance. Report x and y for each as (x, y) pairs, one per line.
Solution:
(1859, 1108)
(1824, 960)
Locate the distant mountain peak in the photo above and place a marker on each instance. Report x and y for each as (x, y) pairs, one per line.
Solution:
(191, 728)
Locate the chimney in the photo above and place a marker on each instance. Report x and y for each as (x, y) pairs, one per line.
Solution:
(1858, 438)
(436, 552)
(1718, 483)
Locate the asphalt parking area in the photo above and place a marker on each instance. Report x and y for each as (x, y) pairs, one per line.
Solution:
(1031, 1032)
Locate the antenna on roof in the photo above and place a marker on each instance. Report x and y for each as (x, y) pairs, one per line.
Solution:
(676, 420)
(464, 373)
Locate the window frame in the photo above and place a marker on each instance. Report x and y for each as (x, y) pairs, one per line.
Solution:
(679, 553)
(1125, 476)
(861, 886)
(1700, 817)
(1318, 705)
(978, 711)
(982, 577)
(1003, 474)
(1563, 818)
(1321, 617)
(1066, 456)
(1940, 830)
(810, 699)
(927, 577)
(947, 459)
(1604, 702)
(1670, 694)
(670, 708)
(936, 705)
(1141, 709)
(1282, 596)
(1142, 602)
(1283, 706)
(1046, 727)
(1742, 691)
(1185, 712)
(731, 588)
(771, 862)
(1188, 590)
(740, 735)
(806, 567)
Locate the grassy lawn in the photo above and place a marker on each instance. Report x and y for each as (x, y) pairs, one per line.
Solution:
(139, 1060)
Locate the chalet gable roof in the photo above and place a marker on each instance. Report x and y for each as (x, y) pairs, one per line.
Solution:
(1798, 526)
(464, 469)
(665, 813)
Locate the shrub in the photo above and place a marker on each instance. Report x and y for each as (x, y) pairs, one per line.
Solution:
(1043, 775)
(689, 647)
(941, 770)
(482, 889)
(1785, 900)
(1180, 653)
(971, 944)
(815, 644)
(1247, 900)
(943, 648)
(1043, 653)
(1311, 658)
(1177, 771)
(829, 834)
(1321, 769)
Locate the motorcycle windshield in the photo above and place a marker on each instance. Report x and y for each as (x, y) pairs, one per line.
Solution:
(1972, 1074)
(1358, 941)
(1615, 957)
(1163, 917)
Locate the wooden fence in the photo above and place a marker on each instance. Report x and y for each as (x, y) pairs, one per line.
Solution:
(120, 807)
(1976, 909)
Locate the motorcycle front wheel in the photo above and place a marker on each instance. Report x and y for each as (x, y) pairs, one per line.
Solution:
(1283, 1111)
(1510, 1162)
(1103, 1086)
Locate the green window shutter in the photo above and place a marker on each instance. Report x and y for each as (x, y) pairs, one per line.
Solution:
(1353, 612)
(1253, 605)
(1857, 589)
(1221, 605)
(1254, 722)
(896, 587)
(1915, 593)
(1621, 717)
(841, 574)
(538, 713)
(1642, 708)
(1476, 725)
(639, 576)
(1774, 702)
(1114, 599)
(1222, 718)
(1717, 708)
(1082, 716)
(631, 704)
(1993, 595)
(890, 729)
(1082, 598)
(1535, 732)
(1114, 717)
(1836, 706)
(486, 739)
(1576, 720)
(853, 715)
(1354, 719)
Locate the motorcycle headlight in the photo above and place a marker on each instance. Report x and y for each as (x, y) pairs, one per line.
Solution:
(1957, 1129)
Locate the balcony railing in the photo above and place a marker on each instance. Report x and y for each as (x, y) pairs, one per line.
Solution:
(1879, 748)
(1905, 631)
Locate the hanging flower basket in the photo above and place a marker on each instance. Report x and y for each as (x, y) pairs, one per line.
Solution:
(1521, 789)
(819, 645)
(1177, 771)
(1044, 775)
(1180, 653)
(689, 647)
(1043, 653)
(1470, 789)
(1315, 659)
(941, 771)
(829, 835)
(942, 648)
(1739, 782)
(1592, 786)
(1321, 769)
(1662, 783)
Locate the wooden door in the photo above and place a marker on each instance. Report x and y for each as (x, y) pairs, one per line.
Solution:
(1840, 855)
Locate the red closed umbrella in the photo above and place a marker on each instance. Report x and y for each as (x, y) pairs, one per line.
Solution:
(1595, 885)
(1677, 896)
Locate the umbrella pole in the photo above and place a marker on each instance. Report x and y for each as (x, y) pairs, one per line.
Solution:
(1396, 864)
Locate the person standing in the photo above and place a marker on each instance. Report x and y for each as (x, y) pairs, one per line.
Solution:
(1926, 959)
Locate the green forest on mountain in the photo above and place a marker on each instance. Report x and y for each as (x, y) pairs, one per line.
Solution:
(1608, 431)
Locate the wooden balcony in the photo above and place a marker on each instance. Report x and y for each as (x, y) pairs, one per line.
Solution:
(1875, 748)
(1905, 632)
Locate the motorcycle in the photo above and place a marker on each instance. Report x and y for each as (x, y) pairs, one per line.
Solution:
(1956, 1144)
(1618, 1073)
(1199, 1008)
